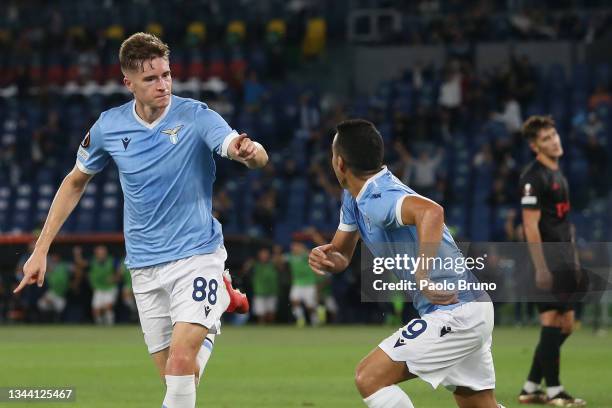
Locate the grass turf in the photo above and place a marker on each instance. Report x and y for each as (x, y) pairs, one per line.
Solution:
(266, 367)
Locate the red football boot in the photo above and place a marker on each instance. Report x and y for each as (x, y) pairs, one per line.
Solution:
(238, 300)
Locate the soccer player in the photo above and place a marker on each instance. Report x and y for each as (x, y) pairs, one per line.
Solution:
(545, 207)
(163, 147)
(54, 299)
(265, 286)
(450, 344)
(127, 294)
(303, 285)
(102, 278)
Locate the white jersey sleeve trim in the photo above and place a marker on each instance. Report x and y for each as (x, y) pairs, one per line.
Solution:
(347, 227)
(84, 169)
(226, 142)
(398, 209)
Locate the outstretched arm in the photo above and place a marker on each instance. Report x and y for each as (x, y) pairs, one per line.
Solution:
(250, 153)
(335, 256)
(66, 198)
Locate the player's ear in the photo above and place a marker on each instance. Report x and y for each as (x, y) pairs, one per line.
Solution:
(128, 83)
(341, 164)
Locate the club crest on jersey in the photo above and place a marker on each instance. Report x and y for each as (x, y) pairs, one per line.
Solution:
(86, 141)
(173, 133)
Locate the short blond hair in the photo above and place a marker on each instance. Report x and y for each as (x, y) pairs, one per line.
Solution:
(140, 47)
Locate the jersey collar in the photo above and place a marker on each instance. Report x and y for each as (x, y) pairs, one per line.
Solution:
(156, 121)
(370, 180)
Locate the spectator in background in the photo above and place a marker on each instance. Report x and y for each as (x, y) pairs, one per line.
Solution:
(303, 285)
(127, 294)
(265, 286)
(254, 92)
(451, 95)
(593, 126)
(510, 114)
(600, 96)
(308, 112)
(58, 282)
(328, 308)
(425, 170)
(103, 281)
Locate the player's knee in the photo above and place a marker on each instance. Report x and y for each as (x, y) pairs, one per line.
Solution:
(567, 327)
(365, 381)
(180, 362)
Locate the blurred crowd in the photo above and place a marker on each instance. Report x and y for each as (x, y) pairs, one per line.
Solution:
(451, 133)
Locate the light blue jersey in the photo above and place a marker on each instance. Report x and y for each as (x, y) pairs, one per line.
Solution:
(166, 169)
(376, 214)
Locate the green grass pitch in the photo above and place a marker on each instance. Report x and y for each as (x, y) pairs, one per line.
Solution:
(266, 367)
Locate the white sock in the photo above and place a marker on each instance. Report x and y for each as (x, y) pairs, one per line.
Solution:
(109, 317)
(530, 386)
(180, 391)
(204, 355)
(389, 397)
(552, 391)
(298, 313)
(314, 317)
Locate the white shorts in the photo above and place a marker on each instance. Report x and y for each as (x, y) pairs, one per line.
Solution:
(448, 347)
(304, 294)
(104, 298)
(50, 301)
(188, 290)
(264, 304)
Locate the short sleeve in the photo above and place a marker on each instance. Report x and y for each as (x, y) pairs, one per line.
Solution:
(92, 157)
(385, 208)
(348, 221)
(214, 130)
(531, 191)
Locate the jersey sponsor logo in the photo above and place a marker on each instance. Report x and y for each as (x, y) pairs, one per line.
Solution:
(82, 153)
(445, 330)
(377, 195)
(86, 141)
(173, 133)
(207, 310)
(126, 141)
(562, 209)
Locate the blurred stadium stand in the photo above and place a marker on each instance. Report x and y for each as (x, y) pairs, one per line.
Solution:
(276, 69)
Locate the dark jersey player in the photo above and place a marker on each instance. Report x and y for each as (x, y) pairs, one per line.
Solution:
(545, 207)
